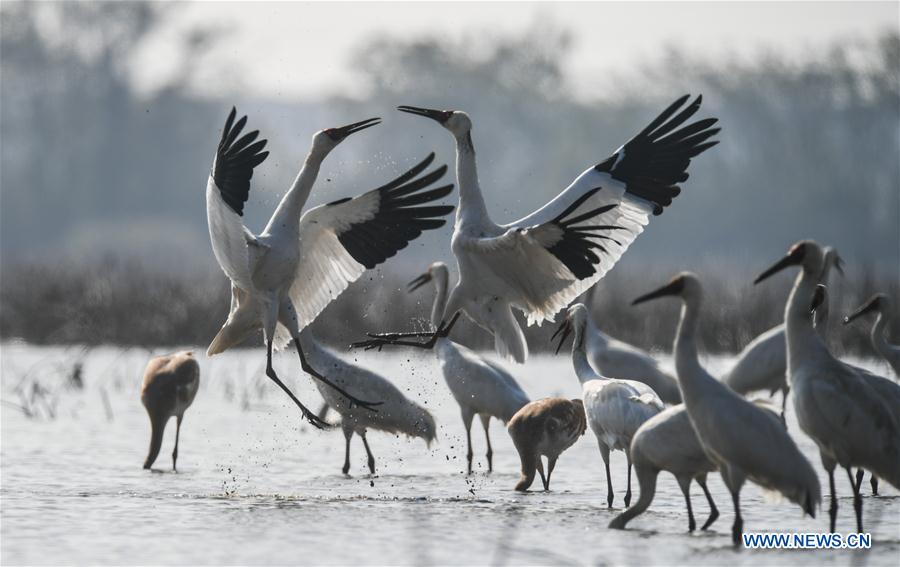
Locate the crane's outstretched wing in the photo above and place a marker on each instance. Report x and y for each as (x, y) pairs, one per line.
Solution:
(561, 250)
(341, 240)
(226, 193)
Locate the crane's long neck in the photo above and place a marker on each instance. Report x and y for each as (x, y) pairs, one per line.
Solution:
(692, 377)
(583, 368)
(440, 298)
(879, 340)
(472, 210)
(286, 217)
(801, 337)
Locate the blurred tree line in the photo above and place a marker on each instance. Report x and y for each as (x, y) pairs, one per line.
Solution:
(102, 221)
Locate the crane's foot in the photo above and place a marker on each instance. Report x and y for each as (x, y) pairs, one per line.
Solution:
(313, 419)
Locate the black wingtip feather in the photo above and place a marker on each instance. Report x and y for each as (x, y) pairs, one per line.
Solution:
(234, 162)
(399, 219)
(575, 247)
(652, 162)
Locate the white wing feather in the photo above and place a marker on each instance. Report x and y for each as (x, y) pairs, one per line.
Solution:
(325, 268)
(521, 257)
(228, 236)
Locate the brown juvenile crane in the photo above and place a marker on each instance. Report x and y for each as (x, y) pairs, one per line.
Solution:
(545, 427)
(170, 385)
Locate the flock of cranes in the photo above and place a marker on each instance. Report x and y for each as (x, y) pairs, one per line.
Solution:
(283, 278)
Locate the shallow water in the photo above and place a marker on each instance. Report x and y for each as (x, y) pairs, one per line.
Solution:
(257, 485)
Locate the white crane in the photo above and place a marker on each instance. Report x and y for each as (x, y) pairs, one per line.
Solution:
(846, 417)
(612, 357)
(615, 408)
(542, 262)
(168, 389)
(397, 414)
(887, 389)
(667, 442)
(743, 440)
(880, 303)
(762, 364)
(283, 278)
(479, 386)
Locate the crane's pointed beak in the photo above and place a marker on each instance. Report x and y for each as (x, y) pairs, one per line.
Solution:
(674, 287)
(338, 134)
(867, 307)
(565, 329)
(785, 262)
(418, 282)
(439, 116)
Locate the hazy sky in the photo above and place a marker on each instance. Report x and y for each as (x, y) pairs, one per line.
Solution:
(305, 49)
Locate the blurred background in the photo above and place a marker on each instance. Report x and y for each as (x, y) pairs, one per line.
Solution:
(110, 113)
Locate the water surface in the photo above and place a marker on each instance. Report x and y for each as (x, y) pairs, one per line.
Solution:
(257, 485)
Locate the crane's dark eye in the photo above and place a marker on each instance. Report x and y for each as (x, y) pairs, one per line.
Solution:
(333, 134)
(798, 251)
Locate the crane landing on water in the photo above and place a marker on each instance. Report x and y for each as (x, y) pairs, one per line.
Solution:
(542, 262)
(283, 278)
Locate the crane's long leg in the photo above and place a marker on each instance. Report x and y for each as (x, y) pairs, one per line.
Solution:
(685, 484)
(312, 372)
(485, 421)
(857, 500)
(270, 372)
(713, 510)
(379, 341)
(628, 489)
(467, 417)
(540, 468)
(833, 507)
(369, 453)
(348, 434)
(737, 529)
(177, 432)
(873, 480)
(604, 452)
(287, 315)
(551, 464)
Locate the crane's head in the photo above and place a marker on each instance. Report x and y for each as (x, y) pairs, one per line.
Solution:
(457, 121)
(326, 140)
(878, 303)
(807, 254)
(435, 270)
(576, 319)
(684, 285)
